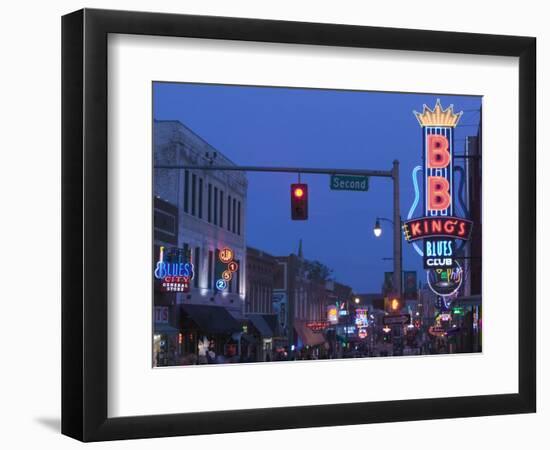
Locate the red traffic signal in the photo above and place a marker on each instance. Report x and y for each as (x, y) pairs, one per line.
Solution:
(298, 201)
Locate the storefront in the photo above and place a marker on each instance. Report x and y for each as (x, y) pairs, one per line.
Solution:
(210, 335)
(309, 343)
(264, 328)
(165, 345)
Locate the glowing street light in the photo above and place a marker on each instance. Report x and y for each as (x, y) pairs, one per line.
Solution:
(357, 300)
(377, 228)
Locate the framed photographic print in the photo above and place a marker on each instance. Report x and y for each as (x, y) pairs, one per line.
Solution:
(273, 224)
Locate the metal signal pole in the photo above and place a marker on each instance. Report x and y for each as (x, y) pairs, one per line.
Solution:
(397, 251)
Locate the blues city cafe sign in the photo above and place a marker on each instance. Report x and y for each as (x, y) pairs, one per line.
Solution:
(439, 228)
(174, 270)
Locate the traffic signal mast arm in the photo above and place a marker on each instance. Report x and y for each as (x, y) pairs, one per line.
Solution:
(364, 172)
(393, 174)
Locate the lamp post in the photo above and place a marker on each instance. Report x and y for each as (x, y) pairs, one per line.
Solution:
(397, 250)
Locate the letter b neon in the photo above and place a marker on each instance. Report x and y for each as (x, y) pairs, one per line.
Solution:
(439, 197)
(438, 151)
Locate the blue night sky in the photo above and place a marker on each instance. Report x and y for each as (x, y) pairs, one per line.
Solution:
(318, 128)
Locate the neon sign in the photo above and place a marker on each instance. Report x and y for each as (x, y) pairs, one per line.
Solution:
(175, 275)
(317, 326)
(361, 317)
(445, 282)
(438, 253)
(332, 314)
(425, 227)
(439, 228)
(226, 256)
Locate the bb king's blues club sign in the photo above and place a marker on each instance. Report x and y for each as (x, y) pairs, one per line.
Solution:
(439, 229)
(174, 270)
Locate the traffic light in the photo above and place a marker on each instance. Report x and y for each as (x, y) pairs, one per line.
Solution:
(393, 303)
(298, 201)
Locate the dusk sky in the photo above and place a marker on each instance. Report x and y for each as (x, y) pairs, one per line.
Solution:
(318, 128)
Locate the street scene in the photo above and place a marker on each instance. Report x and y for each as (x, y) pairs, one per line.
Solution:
(309, 224)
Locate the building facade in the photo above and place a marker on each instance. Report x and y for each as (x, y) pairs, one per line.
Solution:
(199, 218)
(299, 300)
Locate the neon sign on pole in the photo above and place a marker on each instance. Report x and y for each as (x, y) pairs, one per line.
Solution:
(438, 229)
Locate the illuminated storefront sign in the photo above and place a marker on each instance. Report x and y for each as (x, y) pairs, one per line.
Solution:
(439, 228)
(229, 268)
(438, 253)
(427, 227)
(332, 314)
(317, 326)
(226, 255)
(174, 271)
(221, 284)
(361, 317)
(445, 282)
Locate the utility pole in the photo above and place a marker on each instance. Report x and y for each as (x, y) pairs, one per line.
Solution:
(397, 253)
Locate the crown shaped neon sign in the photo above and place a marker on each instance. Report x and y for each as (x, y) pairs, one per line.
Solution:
(438, 117)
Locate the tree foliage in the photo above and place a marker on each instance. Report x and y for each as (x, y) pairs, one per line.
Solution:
(317, 271)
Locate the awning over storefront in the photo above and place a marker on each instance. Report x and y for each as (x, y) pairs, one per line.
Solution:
(307, 336)
(164, 328)
(261, 325)
(211, 319)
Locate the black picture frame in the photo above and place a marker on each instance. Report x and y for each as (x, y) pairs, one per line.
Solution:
(84, 224)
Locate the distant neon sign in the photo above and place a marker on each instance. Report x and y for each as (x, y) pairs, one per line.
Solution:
(332, 314)
(317, 326)
(361, 317)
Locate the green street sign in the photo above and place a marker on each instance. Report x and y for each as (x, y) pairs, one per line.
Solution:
(349, 183)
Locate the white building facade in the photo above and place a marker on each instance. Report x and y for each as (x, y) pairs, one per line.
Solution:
(211, 207)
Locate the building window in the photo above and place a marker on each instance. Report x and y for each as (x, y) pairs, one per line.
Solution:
(200, 198)
(209, 214)
(215, 205)
(234, 214)
(186, 192)
(239, 218)
(197, 266)
(221, 208)
(193, 194)
(228, 213)
(210, 269)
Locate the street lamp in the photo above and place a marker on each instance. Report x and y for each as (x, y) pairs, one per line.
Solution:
(377, 228)
(397, 249)
(357, 300)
